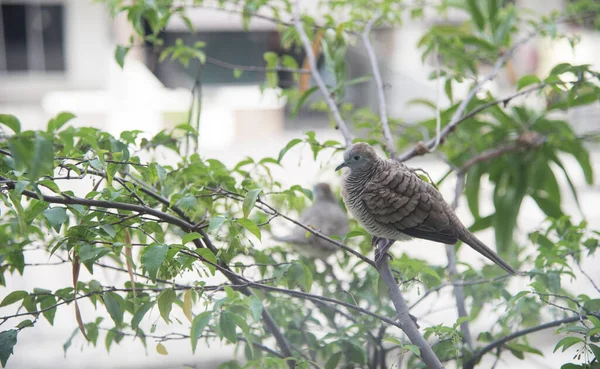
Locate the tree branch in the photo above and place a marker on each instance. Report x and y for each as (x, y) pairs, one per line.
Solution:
(528, 140)
(250, 68)
(498, 343)
(406, 323)
(457, 117)
(184, 225)
(379, 83)
(272, 211)
(310, 56)
(459, 292)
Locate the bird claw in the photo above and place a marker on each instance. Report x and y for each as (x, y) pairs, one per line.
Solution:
(381, 252)
(374, 241)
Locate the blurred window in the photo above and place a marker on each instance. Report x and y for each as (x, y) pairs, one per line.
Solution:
(32, 38)
(225, 49)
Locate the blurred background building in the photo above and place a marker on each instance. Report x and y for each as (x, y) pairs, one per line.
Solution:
(58, 55)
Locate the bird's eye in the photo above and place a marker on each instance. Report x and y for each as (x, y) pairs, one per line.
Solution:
(356, 157)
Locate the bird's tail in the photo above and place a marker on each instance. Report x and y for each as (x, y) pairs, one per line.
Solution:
(470, 239)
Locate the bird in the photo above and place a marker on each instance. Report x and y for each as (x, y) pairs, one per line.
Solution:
(392, 202)
(324, 215)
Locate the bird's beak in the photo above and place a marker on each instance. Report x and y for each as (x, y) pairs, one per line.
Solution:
(340, 166)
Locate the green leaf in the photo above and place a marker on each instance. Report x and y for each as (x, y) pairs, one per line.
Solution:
(272, 76)
(412, 348)
(299, 274)
(139, 314)
(237, 73)
(356, 354)
(47, 302)
(256, 306)
(11, 122)
(92, 253)
(209, 256)
(596, 350)
(67, 344)
(567, 342)
(481, 224)
(523, 348)
(13, 297)
(526, 81)
(473, 8)
(472, 184)
(548, 206)
(60, 120)
(8, 340)
(120, 53)
(25, 323)
(250, 226)
(250, 200)
(227, 326)
(190, 237)
(43, 157)
(161, 349)
(555, 159)
(592, 305)
(333, 360)
(165, 303)
(56, 217)
(216, 223)
(112, 302)
(287, 147)
(448, 90)
(198, 324)
(302, 100)
(152, 259)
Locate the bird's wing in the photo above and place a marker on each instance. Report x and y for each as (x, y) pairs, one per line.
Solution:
(398, 198)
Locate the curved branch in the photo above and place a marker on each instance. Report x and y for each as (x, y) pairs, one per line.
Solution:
(251, 68)
(498, 343)
(406, 323)
(457, 117)
(459, 291)
(184, 225)
(310, 56)
(70, 200)
(378, 81)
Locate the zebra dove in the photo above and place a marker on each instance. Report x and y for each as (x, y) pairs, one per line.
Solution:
(392, 202)
(326, 216)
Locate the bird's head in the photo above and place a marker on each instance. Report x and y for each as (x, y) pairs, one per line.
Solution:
(322, 192)
(359, 157)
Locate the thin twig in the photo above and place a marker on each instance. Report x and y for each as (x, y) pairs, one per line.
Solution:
(499, 342)
(457, 117)
(586, 275)
(528, 140)
(459, 292)
(310, 56)
(251, 68)
(438, 116)
(380, 89)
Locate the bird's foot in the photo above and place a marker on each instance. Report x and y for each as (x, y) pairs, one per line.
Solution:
(375, 241)
(381, 252)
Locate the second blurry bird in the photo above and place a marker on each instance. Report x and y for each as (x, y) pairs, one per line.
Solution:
(324, 215)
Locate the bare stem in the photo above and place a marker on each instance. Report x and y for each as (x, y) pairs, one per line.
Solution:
(500, 342)
(459, 292)
(379, 82)
(457, 117)
(407, 325)
(310, 56)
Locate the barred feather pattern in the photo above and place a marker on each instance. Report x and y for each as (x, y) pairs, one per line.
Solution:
(391, 201)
